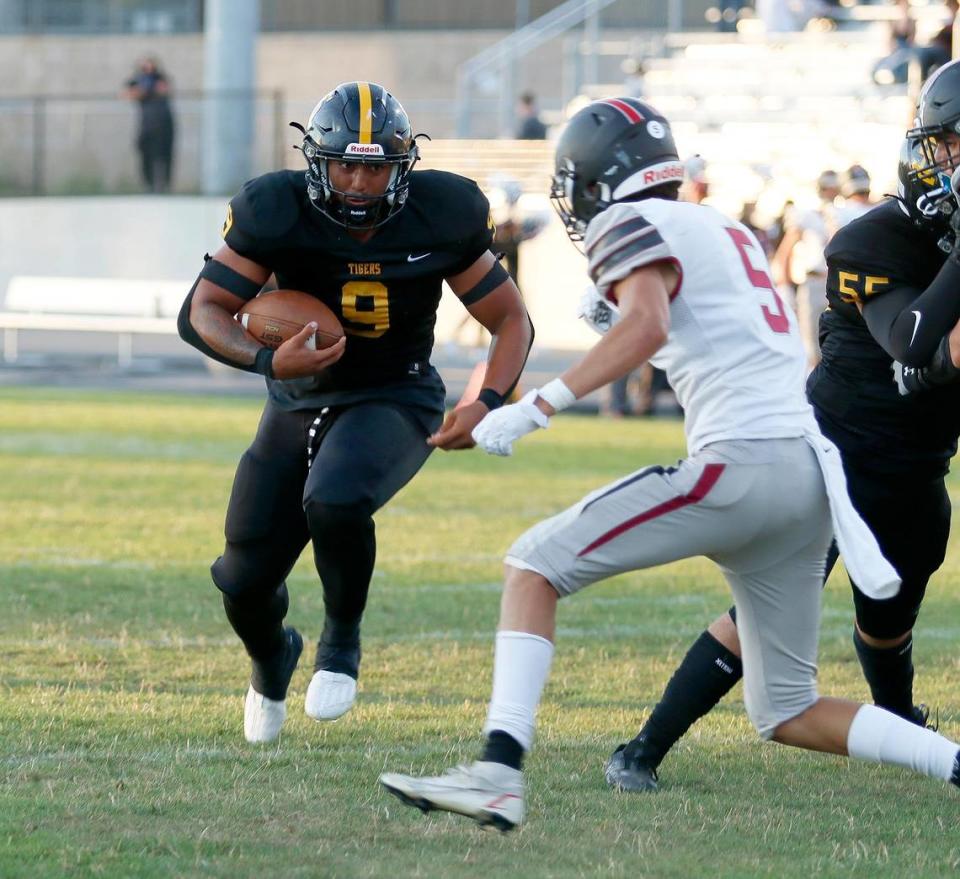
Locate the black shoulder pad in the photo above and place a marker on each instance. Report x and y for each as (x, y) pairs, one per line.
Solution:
(459, 214)
(261, 213)
(456, 204)
(883, 240)
(879, 252)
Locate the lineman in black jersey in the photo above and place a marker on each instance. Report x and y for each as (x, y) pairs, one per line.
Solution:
(892, 292)
(346, 427)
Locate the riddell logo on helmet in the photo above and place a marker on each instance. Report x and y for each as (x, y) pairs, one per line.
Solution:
(363, 149)
(664, 173)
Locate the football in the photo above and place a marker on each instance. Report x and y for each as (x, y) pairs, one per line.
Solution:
(272, 318)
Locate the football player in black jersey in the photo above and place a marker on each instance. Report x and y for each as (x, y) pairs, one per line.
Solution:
(892, 281)
(346, 427)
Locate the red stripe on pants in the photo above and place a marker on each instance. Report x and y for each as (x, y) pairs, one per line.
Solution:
(708, 479)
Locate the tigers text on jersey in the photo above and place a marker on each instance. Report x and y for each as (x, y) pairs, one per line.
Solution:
(733, 354)
(384, 291)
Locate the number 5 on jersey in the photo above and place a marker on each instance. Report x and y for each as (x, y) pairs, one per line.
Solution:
(776, 319)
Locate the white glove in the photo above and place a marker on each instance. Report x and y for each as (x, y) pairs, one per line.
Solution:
(499, 429)
(599, 314)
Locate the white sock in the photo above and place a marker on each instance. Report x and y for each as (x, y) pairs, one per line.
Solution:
(521, 666)
(882, 737)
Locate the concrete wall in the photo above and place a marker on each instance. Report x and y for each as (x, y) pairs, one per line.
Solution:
(164, 238)
(89, 141)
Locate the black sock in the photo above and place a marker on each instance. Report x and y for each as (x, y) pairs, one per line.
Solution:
(503, 748)
(889, 673)
(258, 620)
(707, 673)
(339, 647)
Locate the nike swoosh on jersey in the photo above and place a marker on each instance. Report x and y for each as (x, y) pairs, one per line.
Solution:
(412, 258)
(916, 325)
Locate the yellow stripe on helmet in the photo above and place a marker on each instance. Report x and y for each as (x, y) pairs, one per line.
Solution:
(366, 112)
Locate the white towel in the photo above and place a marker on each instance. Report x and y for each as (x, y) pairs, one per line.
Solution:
(872, 573)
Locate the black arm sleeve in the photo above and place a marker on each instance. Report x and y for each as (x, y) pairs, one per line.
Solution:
(264, 360)
(910, 327)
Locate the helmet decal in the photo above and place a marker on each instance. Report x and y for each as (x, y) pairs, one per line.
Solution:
(613, 149)
(366, 111)
(631, 112)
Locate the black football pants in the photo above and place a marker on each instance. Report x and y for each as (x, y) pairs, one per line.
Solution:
(911, 521)
(362, 454)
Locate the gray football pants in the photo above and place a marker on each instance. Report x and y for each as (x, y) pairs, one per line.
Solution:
(758, 508)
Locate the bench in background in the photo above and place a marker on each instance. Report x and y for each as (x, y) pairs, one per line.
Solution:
(126, 308)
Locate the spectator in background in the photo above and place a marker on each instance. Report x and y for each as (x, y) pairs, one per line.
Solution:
(727, 14)
(799, 259)
(150, 87)
(748, 216)
(940, 49)
(903, 33)
(695, 187)
(633, 74)
(529, 124)
(855, 189)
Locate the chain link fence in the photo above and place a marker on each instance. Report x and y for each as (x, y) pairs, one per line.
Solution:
(69, 145)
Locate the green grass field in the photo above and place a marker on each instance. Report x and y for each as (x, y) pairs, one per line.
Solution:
(121, 749)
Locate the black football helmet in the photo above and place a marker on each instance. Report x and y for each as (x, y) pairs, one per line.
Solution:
(358, 122)
(612, 150)
(938, 113)
(923, 192)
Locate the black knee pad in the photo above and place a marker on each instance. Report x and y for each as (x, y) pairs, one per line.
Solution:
(240, 571)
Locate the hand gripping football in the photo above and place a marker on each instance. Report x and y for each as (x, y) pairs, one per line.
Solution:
(272, 318)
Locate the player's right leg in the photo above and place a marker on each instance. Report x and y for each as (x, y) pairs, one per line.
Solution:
(649, 518)
(711, 668)
(265, 533)
(778, 613)
(364, 454)
(911, 521)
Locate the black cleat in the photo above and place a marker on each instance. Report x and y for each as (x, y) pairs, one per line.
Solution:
(626, 771)
(920, 715)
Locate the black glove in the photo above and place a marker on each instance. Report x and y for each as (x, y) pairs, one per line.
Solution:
(908, 379)
(939, 372)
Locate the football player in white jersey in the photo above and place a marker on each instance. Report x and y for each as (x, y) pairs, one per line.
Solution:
(760, 493)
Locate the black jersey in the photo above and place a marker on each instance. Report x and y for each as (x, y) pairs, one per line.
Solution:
(385, 291)
(852, 390)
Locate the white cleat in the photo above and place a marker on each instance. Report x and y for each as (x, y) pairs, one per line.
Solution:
(490, 793)
(330, 695)
(262, 717)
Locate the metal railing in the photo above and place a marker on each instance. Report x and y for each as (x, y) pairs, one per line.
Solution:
(495, 67)
(187, 16)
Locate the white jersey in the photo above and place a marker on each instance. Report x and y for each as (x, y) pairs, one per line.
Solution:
(733, 354)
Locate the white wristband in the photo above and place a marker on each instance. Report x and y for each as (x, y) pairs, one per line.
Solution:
(557, 394)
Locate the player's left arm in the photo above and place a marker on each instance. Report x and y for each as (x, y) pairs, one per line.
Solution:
(910, 324)
(492, 298)
(643, 298)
